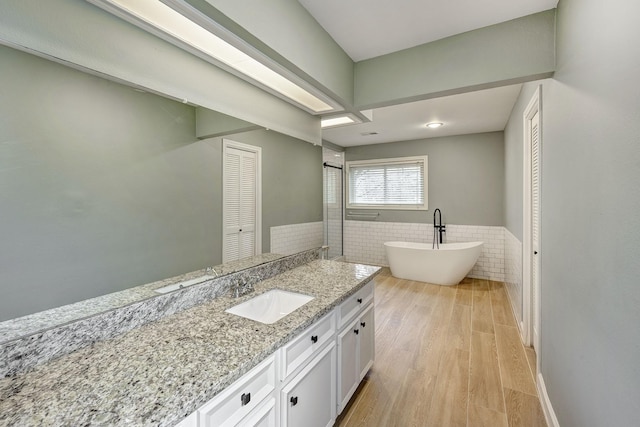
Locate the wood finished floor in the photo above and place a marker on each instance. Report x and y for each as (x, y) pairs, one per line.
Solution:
(446, 356)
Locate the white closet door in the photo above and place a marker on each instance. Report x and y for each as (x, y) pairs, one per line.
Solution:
(240, 186)
(535, 223)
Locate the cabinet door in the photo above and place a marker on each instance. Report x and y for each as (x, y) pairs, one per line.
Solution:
(367, 341)
(348, 373)
(309, 398)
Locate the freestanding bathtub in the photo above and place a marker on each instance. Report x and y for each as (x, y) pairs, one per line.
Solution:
(445, 266)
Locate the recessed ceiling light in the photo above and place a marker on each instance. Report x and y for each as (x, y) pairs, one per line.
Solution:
(434, 125)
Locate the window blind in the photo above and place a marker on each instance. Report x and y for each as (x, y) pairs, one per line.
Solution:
(388, 183)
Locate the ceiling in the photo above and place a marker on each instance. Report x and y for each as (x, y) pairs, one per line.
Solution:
(472, 112)
(369, 28)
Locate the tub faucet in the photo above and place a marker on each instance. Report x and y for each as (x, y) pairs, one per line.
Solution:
(437, 225)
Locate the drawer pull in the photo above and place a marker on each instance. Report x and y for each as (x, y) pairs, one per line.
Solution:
(245, 398)
(314, 338)
(359, 300)
(294, 400)
(356, 331)
(363, 324)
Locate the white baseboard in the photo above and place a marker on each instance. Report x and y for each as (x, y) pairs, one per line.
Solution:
(549, 414)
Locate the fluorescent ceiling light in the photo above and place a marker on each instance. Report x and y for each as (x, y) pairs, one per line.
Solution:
(336, 121)
(434, 125)
(170, 22)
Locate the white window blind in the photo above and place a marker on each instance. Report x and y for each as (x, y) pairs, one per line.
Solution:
(388, 183)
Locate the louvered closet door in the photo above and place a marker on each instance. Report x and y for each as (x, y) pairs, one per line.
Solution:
(535, 219)
(240, 184)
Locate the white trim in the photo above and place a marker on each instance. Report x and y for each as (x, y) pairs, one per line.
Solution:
(545, 402)
(532, 108)
(227, 143)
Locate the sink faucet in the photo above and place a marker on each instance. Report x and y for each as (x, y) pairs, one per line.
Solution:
(439, 227)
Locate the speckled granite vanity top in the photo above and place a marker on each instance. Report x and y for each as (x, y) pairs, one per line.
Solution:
(161, 372)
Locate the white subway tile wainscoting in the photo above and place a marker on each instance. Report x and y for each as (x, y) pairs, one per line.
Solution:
(513, 272)
(364, 243)
(294, 238)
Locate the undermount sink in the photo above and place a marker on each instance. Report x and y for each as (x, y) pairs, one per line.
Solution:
(190, 282)
(271, 306)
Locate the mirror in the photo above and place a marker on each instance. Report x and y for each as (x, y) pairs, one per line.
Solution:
(105, 188)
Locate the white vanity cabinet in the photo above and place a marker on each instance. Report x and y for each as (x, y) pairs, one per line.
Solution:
(356, 349)
(306, 382)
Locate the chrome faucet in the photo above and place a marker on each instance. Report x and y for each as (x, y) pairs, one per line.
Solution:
(439, 227)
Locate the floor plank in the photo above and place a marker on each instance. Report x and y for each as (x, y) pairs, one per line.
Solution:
(485, 386)
(482, 319)
(532, 359)
(450, 398)
(483, 417)
(459, 335)
(523, 410)
(514, 366)
(502, 313)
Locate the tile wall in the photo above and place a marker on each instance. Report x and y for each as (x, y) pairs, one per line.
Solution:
(364, 243)
(294, 238)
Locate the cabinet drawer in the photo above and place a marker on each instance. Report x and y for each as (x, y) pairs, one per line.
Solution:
(237, 400)
(354, 304)
(263, 416)
(306, 345)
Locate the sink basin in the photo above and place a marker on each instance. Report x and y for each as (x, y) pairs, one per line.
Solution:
(271, 306)
(176, 286)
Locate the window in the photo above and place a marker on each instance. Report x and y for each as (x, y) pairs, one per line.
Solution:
(399, 183)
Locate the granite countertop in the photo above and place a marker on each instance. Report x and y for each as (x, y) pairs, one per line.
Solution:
(158, 374)
(32, 323)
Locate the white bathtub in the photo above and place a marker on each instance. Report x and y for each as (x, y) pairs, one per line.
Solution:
(445, 266)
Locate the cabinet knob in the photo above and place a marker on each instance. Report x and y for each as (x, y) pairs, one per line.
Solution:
(363, 324)
(245, 398)
(294, 400)
(356, 331)
(359, 300)
(314, 338)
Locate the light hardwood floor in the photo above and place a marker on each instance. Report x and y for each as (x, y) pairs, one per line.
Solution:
(446, 356)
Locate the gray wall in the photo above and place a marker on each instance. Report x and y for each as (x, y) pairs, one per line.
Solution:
(80, 33)
(591, 216)
(466, 177)
(103, 187)
(291, 179)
